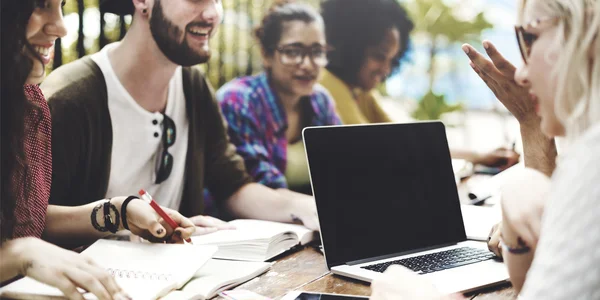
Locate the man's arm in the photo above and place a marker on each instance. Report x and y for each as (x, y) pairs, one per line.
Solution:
(256, 201)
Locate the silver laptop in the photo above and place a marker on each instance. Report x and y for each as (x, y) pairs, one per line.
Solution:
(385, 195)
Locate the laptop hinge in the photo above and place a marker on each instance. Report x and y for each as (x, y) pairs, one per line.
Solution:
(366, 260)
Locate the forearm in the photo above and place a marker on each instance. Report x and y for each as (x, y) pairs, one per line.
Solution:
(539, 151)
(518, 265)
(73, 226)
(463, 154)
(256, 201)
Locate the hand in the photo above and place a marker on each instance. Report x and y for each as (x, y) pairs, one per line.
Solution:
(306, 212)
(65, 270)
(500, 158)
(303, 207)
(499, 76)
(523, 198)
(208, 224)
(145, 222)
(399, 283)
(493, 242)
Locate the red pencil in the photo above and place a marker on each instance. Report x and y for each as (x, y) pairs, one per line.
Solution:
(146, 196)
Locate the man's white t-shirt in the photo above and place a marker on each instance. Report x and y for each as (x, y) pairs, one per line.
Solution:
(137, 139)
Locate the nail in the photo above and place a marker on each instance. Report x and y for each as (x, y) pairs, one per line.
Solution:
(486, 45)
(159, 231)
(466, 49)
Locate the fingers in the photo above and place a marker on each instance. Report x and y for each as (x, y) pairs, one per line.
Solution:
(481, 63)
(494, 240)
(503, 65)
(67, 287)
(88, 282)
(185, 233)
(205, 230)
(102, 275)
(208, 221)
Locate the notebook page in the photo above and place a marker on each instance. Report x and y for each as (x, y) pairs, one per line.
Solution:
(143, 270)
(176, 262)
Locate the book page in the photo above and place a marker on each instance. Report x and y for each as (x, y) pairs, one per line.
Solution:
(250, 230)
(218, 275)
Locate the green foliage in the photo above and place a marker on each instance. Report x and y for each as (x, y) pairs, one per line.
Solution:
(437, 21)
(432, 107)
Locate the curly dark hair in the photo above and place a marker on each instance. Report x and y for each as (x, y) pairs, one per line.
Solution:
(270, 29)
(351, 26)
(16, 67)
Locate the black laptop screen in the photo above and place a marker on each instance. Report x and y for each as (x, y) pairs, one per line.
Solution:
(383, 189)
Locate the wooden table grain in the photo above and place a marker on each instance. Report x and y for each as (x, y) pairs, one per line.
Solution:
(305, 270)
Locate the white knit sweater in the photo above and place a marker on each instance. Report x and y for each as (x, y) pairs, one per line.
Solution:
(567, 260)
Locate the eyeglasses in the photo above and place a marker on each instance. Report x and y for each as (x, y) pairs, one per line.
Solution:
(164, 164)
(526, 39)
(293, 55)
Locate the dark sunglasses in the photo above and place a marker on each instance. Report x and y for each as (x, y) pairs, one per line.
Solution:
(526, 39)
(164, 164)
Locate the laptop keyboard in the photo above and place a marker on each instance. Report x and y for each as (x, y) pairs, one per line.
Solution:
(438, 261)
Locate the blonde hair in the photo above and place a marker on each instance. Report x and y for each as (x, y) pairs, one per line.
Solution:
(577, 67)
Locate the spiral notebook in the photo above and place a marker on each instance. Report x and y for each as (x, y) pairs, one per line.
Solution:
(143, 270)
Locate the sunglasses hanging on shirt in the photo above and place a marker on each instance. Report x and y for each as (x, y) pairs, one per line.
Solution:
(164, 163)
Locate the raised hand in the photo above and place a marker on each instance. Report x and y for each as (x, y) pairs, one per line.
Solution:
(499, 75)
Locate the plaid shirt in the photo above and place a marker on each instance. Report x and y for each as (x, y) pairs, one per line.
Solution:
(257, 124)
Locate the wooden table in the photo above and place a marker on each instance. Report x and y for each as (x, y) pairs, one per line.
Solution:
(305, 270)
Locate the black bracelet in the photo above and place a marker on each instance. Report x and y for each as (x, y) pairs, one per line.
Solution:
(95, 221)
(108, 220)
(124, 211)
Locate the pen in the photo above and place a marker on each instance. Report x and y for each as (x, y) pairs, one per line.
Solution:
(147, 197)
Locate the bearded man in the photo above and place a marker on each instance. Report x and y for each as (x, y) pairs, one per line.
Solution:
(138, 114)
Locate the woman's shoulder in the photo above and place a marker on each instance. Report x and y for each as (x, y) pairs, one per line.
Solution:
(240, 91)
(321, 95)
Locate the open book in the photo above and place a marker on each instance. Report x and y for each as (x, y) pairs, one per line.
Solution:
(143, 270)
(216, 276)
(255, 240)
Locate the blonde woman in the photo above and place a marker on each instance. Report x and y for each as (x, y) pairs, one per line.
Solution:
(550, 242)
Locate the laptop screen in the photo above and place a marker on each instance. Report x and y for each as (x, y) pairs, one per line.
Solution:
(383, 189)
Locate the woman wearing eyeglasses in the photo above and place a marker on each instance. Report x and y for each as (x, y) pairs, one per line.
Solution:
(29, 30)
(550, 240)
(267, 112)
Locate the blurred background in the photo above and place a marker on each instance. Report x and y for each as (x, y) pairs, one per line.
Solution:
(434, 82)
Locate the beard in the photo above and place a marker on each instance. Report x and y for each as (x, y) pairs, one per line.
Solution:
(166, 35)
